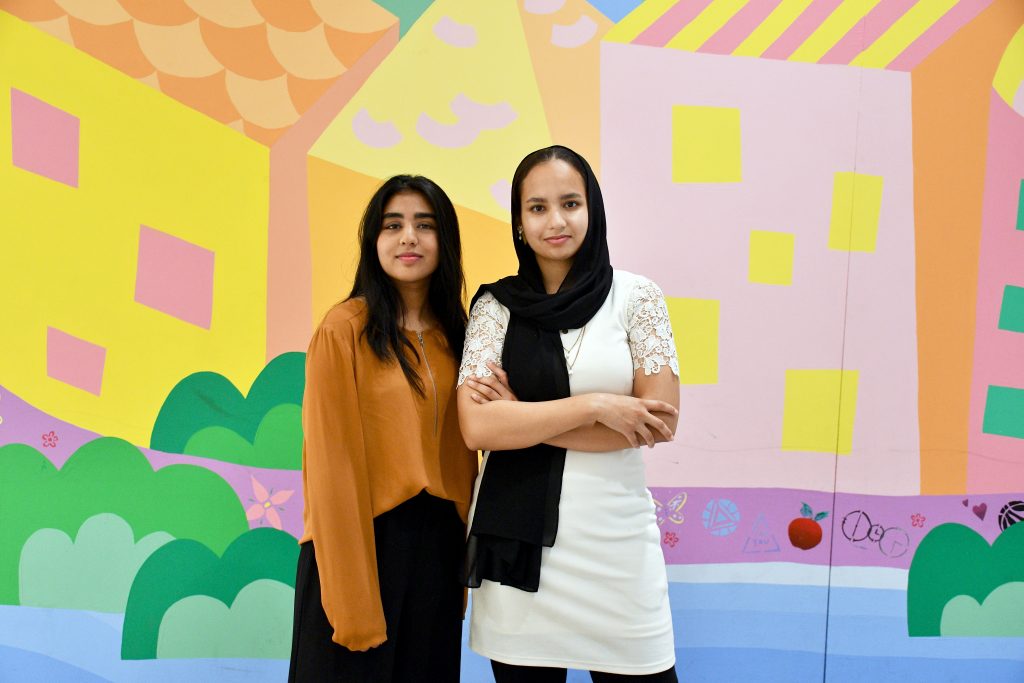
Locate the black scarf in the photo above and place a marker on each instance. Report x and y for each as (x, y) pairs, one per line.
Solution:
(517, 505)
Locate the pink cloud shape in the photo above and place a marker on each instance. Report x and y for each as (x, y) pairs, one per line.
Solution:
(543, 6)
(455, 34)
(576, 34)
(474, 118)
(501, 191)
(378, 134)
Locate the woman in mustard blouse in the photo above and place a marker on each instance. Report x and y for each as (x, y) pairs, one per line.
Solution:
(386, 475)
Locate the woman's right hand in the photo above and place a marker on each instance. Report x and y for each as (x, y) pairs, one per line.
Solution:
(634, 418)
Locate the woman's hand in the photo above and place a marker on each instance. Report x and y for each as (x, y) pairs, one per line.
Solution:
(492, 388)
(634, 418)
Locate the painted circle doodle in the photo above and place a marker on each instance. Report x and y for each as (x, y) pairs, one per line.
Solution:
(856, 526)
(894, 542)
(720, 516)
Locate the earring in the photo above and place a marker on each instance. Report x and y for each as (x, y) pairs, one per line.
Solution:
(519, 232)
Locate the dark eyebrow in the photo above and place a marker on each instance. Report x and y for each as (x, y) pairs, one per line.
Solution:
(415, 215)
(541, 200)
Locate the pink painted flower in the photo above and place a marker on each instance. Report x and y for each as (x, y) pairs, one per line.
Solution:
(917, 519)
(266, 505)
(50, 439)
(670, 539)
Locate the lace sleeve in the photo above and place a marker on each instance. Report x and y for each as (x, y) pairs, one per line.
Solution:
(649, 330)
(485, 338)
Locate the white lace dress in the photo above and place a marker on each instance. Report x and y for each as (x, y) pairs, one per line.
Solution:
(602, 604)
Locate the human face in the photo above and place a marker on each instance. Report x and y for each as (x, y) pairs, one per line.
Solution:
(554, 215)
(407, 242)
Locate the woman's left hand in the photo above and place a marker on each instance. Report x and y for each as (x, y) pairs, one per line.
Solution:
(492, 388)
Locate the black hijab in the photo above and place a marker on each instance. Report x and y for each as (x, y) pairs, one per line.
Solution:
(517, 505)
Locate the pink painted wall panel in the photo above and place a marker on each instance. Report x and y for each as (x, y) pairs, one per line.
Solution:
(74, 361)
(881, 311)
(175, 277)
(44, 139)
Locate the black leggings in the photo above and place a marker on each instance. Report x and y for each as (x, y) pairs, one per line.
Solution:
(507, 673)
(419, 551)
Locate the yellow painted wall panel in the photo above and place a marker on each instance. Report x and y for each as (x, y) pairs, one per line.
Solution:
(706, 145)
(695, 325)
(144, 159)
(856, 207)
(819, 411)
(771, 257)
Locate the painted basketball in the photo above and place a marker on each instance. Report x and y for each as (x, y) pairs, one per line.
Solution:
(1010, 514)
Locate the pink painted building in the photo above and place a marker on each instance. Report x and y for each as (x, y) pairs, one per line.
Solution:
(852, 310)
(996, 455)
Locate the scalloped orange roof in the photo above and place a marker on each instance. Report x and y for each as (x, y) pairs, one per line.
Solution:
(249, 64)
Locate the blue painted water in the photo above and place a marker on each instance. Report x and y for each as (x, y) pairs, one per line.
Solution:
(724, 633)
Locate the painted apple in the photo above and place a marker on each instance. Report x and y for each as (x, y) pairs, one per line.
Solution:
(804, 531)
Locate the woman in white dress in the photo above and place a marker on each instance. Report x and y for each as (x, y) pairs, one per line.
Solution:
(564, 552)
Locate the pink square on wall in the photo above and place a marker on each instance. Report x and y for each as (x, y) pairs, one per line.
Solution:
(44, 139)
(174, 277)
(74, 361)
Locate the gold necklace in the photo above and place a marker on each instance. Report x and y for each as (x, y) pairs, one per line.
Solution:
(578, 346)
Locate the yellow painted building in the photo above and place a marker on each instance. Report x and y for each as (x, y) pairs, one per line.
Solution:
(69, 253)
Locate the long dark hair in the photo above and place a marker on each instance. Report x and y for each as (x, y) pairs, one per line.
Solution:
(447, 289)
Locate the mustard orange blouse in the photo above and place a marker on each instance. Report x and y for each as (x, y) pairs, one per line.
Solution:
(372, 442)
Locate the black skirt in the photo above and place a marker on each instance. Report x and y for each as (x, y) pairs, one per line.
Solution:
(419, 550)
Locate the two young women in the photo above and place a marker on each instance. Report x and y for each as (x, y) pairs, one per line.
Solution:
(562, 377)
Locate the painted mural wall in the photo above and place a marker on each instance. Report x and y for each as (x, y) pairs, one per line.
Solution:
(830, 193)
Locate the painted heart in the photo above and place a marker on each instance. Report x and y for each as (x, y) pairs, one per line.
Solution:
(964, 501)
(980, 510)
